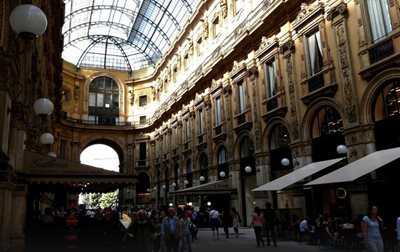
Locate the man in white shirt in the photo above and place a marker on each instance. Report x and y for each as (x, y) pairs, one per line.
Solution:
(215, 222)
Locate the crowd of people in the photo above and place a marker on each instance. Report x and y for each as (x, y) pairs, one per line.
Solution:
(174, 229)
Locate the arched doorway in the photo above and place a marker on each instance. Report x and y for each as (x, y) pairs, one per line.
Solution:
(386, 115)
(247, 177)
(104, 101)
(279, 149)
(143, 189)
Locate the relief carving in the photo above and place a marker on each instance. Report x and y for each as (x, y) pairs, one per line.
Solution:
(292, 98)
(344, 56)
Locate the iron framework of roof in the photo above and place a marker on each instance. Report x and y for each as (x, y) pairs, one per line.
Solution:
(122, 34)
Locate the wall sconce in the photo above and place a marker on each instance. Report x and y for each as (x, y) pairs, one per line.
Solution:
(171, 204)
(173, 184)
(163, 186)
(186, 182)
(285, 162)
(202, 178)
(28, 20)
(222, 174)
(248, 169)
(190, 204)
(208, 203)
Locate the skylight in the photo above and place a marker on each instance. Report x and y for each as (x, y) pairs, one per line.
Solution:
(122, 34)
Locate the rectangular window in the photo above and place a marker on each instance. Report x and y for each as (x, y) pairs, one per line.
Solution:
(187, 130)
(199, 46)
(241, 97)
(185, 61)
(100, 100)
(201, 122)
(142, 154)
(218, 111)
(142, 100)
(314, 53)
(165, 143)
(216, 27)
(175, 136)
(174, 74)
(107, 100)
(142, 120)
(142, 151)
(271, 78)
(92, 99)
(379, 18)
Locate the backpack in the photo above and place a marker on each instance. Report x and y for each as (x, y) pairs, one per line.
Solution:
(193, 229)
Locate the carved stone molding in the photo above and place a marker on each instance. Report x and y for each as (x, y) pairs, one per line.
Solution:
(347, 76)
(287, 47)
(340, 9)
(278, 112)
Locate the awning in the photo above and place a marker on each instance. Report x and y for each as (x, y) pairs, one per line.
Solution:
(216, 187)
(359, 167)
(297, 175)
(47, 170)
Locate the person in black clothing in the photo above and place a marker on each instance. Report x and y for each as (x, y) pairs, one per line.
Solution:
(226, 222)
(269, 215)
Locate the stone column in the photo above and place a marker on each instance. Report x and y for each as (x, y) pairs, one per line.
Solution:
(18, 217)
(6, 198)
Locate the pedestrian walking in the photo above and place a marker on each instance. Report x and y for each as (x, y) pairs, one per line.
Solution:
(269, 215)
(236, 221)
(371, 230)
(171, 231)
(215, 222)
(258, 223)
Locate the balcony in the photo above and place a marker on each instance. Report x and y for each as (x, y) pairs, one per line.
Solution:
(201, 141)
(80, 123)
(219, 133)
(315, 82)
(381, 51)
(243, 121)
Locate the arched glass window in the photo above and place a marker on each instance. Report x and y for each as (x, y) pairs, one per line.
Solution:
(246, 147)
(279, 137)
(386, 115)
(387, 104)
(326, 133)
(222, 155)
(103, 101)
(279, 148)
(326, 122)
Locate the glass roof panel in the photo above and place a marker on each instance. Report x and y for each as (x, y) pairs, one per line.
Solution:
(122, 34)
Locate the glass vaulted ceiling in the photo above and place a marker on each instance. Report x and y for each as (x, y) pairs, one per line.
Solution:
(122, 34)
